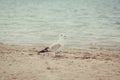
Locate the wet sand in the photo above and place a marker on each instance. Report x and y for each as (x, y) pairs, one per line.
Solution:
(19, 62)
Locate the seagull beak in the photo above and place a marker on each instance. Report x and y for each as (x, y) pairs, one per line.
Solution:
(65, 36)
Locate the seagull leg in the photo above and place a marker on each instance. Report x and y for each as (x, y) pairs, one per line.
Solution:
(56, 53)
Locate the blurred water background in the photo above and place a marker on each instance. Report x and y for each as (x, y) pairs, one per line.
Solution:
(87, 23)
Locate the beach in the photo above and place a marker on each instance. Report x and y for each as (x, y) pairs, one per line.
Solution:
(21, 62)
(91, 47)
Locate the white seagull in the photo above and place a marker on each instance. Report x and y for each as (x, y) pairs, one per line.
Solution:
(55, 47)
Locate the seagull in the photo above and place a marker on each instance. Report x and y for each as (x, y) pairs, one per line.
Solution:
(55, 47)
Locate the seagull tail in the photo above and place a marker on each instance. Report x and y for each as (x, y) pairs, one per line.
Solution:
(44, 50)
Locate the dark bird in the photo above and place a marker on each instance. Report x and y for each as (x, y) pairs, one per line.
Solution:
(43, 51)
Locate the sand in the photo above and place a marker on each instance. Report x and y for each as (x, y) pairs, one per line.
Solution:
(18, 62)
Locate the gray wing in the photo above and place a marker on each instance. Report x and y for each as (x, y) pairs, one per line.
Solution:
(55, 47)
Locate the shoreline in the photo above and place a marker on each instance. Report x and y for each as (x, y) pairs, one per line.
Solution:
(21, 62)
(88, 47)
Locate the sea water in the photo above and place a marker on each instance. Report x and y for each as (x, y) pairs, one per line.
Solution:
(86, 23)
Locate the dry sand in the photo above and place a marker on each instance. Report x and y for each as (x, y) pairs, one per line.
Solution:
(22, 63)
